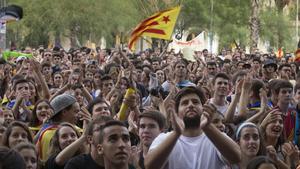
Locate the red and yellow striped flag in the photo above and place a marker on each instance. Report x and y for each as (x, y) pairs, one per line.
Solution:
(160, 25)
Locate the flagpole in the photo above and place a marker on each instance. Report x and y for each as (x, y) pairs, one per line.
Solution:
(297, 21)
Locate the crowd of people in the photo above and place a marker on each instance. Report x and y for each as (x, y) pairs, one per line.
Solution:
(113, 109)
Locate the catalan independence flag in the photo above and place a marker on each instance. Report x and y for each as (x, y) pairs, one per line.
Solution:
(160, 25)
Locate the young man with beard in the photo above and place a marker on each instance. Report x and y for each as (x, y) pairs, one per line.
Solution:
(114, 145)
(221, 88)
(195, 142)
(151, 124)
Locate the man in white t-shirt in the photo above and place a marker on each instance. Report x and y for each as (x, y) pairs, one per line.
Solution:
(195, 143)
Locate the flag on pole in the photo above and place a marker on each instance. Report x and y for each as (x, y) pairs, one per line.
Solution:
(280, 53)
(160, 25)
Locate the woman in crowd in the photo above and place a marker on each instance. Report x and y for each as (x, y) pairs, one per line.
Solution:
(63, 137)
(29, 154)
(17, 132)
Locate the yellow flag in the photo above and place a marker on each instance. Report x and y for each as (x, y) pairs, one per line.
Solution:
(159, 25)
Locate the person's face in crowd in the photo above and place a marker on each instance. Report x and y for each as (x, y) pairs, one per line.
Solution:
(148, 130)
(297, 96)
(285, 95)
(275, 128)
(160, 76)
(192, 77)
(92, 68)
(78, 56)
(294, 67)
(66, 136)
(22, 89)
(228, 52)
(78, 96)
(249, 141)
(286, 70)
(32, 90)
(2, 130)
(240, 66)
(124, 85)
(30, 158)
(88, 86)
(143, 56)
(8, 116)
(114, 98)
(155, 65)
(43, 111)
(255, 65)
(190, 109)
(18, 135)
(71, 114)
(97, 79)
(169, 59)
(47, 55)
(180, 70)
(75, 78)
(113, 73)
(107, 85)
(89, 75)
(139, 75)
(205, 53)
(76, 63)
(267, 166)
(270, 69)
(221, 86)
(217, 121)
(282, 61)
(57, 60)
(58, 79)
(100, 109)
(211, 69)
(25, 71)
(47, 70)
(116, 146)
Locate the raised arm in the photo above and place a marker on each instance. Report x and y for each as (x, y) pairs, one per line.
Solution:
(157, 157)
(229, 149)
(229, 114)
(35, 66)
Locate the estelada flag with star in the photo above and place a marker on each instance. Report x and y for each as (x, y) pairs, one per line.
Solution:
(160, 25)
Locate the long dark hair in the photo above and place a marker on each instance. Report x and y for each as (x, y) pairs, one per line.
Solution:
(34, 120)
(54, 143)
(9, 129)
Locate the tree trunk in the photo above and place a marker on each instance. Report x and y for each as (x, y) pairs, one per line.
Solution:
(254, 25)
(73, 38)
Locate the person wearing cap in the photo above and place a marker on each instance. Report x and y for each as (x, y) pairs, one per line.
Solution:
(65, 109)
(269, 70)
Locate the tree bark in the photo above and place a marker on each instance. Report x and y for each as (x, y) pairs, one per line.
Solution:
(254, 25)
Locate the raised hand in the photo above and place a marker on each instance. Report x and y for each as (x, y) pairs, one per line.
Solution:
(208, 111)
(271, 152)
(177, 123)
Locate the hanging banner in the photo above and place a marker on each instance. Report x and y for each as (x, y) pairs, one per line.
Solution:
(196, 44)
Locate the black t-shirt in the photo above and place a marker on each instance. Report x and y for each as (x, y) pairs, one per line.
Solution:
(82, 161)
(51, 164)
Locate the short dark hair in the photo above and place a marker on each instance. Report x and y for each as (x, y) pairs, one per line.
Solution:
(98, 100)
(109, 124)
(238, 74)
(106, 77)
(211, 63)
(18, 81)
(11, 159)
(256, 86)
(281, 84)
(189, 90)
(154, 115)
(220, 75)
(259, 160)
(284, 65)
(297, 87)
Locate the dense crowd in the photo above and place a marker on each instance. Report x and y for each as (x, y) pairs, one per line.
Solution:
(113, 109)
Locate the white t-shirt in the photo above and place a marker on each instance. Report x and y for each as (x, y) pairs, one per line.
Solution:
(221, 109)
(192, 153)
